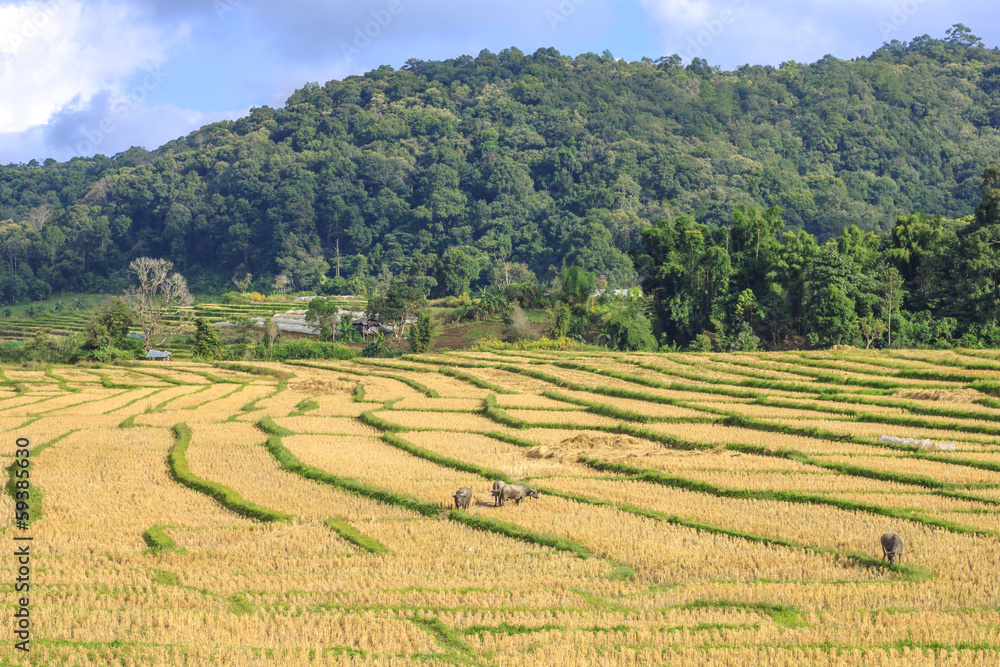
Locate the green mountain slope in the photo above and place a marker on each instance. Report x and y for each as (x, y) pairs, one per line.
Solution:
(541, 159)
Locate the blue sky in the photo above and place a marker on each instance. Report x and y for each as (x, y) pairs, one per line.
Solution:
(80, 77)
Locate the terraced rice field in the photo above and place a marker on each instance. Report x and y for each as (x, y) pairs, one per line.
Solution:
(693, 510)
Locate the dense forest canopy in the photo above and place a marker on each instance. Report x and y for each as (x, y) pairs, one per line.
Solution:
(448, 168)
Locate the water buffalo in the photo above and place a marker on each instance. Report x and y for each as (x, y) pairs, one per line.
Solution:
(892, 547)
(516, 492)
(497, 488)
(462, 498)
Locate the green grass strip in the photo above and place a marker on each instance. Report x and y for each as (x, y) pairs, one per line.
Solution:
(673, 442)
(426, 391)
(909, 572)
(281, 376)
(880, 370)
(35, 499)
(518, 533)
(349, 533)
(497, 414)
(510, 439)
(225, 496)
(136, 400)
(358, 395)
(369, 418)
(413, 384)
(162, 378)
(447, 462)
(157, 539)
(755, 381)
(445, 637)
(303, 407)
(473, 380)
(794, 368)
(238, 389)
(912, 451)
(657, 477)
(783, 615)
(63, 383)
(18, 387)
(160, 407)
(602, 408)
(289, 462)
(108, 383)
(624, 393)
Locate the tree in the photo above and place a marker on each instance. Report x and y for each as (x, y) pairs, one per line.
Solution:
(398, 305)
(243, 284)
(421, 333)
(323, 312)
(577, 285)
(271, 334)
(159, 295)
(206, 340)
(109, 326)
(959, 34)
(979, 257)
(458, 269)
(891, 283)
(282, 283)
(872, 328)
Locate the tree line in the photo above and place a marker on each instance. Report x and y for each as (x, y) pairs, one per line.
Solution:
(514, 164)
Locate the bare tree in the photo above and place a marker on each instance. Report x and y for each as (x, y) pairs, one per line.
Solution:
(282, 283)
(243, 284)
(159, 295)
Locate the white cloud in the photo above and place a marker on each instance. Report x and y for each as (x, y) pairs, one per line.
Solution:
(58, 57)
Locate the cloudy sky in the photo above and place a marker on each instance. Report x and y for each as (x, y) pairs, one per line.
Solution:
(84, 77)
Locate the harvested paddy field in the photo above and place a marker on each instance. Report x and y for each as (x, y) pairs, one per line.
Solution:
(691, 510)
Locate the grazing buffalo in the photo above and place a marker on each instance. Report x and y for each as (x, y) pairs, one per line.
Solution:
(516, 492)
(462, 498)
(497, 488)
(892, 547)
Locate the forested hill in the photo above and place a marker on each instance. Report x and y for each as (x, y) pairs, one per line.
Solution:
(542, 159)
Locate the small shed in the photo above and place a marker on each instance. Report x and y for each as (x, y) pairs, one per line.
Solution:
(367, 326)
(157, 355)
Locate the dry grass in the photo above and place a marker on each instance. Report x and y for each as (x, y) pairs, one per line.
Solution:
(242, 592)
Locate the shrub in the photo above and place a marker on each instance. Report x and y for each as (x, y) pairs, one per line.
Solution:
(564, 343)
(337, 286)
(206, 340)
(377, 346)
(701, 343)
(304, 349)
(527, 295)
(517, 326)
(629, 333)
(563, 321)
(422, 333)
